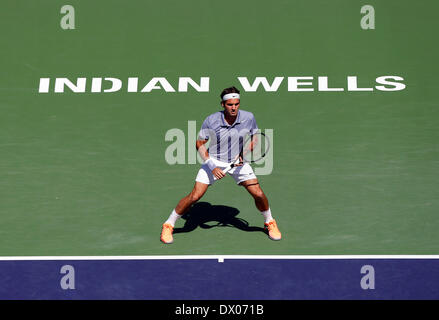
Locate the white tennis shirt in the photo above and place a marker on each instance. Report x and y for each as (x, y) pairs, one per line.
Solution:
(226, 139)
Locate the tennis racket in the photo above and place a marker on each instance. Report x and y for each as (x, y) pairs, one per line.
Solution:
(254, 148)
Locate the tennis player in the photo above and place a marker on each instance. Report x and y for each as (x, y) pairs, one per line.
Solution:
(224, 129)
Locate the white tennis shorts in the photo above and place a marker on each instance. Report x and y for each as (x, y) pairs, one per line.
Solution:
(240, 174)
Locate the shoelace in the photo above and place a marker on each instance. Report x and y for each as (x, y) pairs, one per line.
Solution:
(167, 226)
(271, 225)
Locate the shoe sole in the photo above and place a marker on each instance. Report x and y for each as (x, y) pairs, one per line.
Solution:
(274, 239)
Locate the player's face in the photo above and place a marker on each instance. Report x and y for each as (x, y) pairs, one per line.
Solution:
(231, 107)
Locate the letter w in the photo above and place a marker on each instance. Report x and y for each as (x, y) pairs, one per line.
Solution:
(273, 87)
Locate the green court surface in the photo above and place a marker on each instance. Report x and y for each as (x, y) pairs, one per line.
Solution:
(355, 172)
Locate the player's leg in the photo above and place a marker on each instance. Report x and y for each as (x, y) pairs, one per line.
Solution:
(183, 205)
(197, 192)
(245, 177)
(253, 187)
(203, 180)
(261, 202)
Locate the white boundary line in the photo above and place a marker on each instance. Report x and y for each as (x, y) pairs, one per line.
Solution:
(220, 258)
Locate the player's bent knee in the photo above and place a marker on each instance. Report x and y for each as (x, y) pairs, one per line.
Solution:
(259, 195)
(194, 197)
(197, 192)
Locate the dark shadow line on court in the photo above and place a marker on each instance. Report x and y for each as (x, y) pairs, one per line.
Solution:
(206, 216)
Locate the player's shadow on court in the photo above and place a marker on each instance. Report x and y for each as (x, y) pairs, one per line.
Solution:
(206, 216)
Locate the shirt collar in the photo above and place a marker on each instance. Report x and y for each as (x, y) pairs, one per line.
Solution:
(226, 124)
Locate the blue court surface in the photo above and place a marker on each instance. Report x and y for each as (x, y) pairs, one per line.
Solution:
(221, 278)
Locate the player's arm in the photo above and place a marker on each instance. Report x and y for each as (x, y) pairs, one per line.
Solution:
(202, 149)
(200, 145)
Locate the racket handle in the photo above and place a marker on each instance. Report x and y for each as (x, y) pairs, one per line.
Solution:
(231, 166)
(228, 168)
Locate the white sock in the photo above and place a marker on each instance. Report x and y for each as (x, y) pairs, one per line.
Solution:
(173, 218)
(267, 215)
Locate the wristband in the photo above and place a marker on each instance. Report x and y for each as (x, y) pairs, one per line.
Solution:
(210, 164)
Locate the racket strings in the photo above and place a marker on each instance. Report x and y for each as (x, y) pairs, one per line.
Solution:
(255, 148)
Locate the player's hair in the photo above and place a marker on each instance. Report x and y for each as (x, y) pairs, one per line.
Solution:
(227, 91)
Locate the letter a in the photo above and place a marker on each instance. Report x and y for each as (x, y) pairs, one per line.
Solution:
(368, 281)
(368, 21)
(175, 152)
(67, 281)
(68, 21)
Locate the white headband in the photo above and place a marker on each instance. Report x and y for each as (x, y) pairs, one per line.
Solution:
(231, 96)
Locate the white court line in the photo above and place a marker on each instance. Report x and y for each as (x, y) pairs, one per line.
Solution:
(220, 258)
